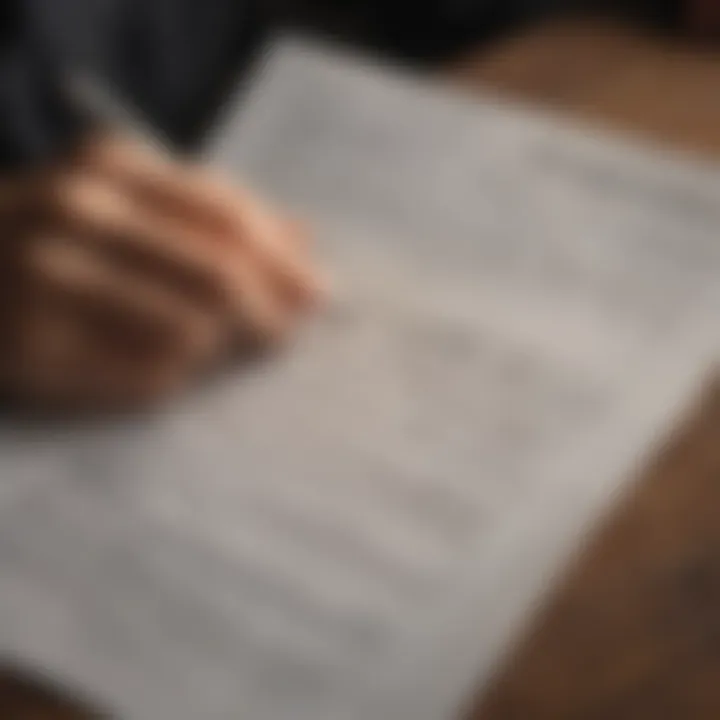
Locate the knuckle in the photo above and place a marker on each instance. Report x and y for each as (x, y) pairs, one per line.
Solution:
(78, 198)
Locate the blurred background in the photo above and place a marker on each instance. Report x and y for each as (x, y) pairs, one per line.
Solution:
(646, 66)
(635, 632)
(430, 30)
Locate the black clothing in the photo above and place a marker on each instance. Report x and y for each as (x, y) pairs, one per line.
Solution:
(173, 59)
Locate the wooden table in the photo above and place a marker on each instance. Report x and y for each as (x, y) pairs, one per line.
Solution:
(634, 631)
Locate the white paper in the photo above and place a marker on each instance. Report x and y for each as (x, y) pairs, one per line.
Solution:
(362, 528)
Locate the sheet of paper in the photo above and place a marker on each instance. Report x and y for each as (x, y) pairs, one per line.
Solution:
(362, 528)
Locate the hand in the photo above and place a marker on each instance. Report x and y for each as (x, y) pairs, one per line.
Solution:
(123, 274)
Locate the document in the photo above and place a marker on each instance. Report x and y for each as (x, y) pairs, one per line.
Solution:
(363, 527)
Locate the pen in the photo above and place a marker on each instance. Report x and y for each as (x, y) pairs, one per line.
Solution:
(103, 105)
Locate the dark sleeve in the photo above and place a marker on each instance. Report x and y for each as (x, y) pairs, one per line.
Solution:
(35, 121)
(436, 29)
(174, 60)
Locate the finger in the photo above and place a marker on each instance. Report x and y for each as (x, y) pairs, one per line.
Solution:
(61, 363)
(281, 246)
(148, 317)
(188, 191)
(121, 154)
(262, 319)
(100, 380)
(111, 381)
(93, 211)
(50, 344)
(154, 247)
